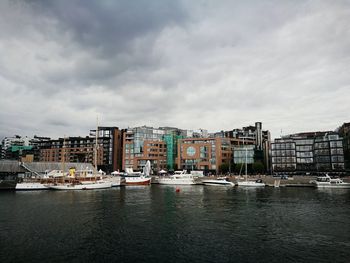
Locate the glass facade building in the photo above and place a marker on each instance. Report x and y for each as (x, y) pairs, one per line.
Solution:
(308, 153)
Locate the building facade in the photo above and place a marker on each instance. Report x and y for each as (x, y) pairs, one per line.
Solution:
(254, 135)
(306, 153)
(344, 132)
(329, 153)
(22, 148)
(108, 149)
(72, 149)
(207, 154)
(110, 139)
(159, 145)
(141, 143)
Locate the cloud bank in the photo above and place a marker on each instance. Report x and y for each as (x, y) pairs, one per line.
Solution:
(190, 64)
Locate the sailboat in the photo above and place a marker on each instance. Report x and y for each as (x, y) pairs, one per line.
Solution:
(88, 180)
(246, 183)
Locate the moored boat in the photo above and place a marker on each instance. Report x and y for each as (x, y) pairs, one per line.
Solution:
(31, 186)
(138, 178)
(82, 185)
(218, 182)
(116, 178)
(179, 178)
(256, 183)
(328, 182)
(246, 182)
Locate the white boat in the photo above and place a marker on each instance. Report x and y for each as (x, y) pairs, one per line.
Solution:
(116, 178)
(218, 182)
(256, 183)
(179, 178)
(138, 178)
(82, 185)
(328, 182)
(30, 186)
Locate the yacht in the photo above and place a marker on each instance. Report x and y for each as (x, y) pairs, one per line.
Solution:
(328, 182)
(82, 185)
(179, 178)
(218, 182)
(137, 178)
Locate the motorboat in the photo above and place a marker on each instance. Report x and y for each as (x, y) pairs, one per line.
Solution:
(218, 182)
(328, 182)
(256, 183)
(179, 178)
(138, 178)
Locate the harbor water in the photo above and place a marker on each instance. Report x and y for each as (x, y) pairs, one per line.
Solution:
(159, 224)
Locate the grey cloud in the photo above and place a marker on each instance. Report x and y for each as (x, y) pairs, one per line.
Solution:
(214, 65)
(109, 26)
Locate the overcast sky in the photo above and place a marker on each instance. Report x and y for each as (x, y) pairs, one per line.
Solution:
(215, 65)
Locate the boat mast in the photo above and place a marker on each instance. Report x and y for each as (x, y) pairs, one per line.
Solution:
(63, 155)
(96, 138)
(246, 175)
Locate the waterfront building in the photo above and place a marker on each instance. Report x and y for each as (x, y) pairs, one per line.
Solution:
(244, 154)
(344, 132)
(141, 143)
(159, 145)
(207, 154)
(72, 149)
(306, 153)
(283, 155)
(171, 137)
(329, 154)
(253, 135)
(22, 148)
(111, 141)
(82, 149)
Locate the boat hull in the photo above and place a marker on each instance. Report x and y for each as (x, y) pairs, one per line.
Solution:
(137, 180)
(116, 181)
(334, 186)
(31, 187)
(218, 183)
(176, 181)
(250, 184)
(85, 186)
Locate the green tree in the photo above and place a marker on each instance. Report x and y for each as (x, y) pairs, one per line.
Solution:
(239, 167)
(224, 168)
(258, 167)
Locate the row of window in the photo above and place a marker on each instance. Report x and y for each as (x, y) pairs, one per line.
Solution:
(283, 153)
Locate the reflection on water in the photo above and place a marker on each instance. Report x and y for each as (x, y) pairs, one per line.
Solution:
(157, 223)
